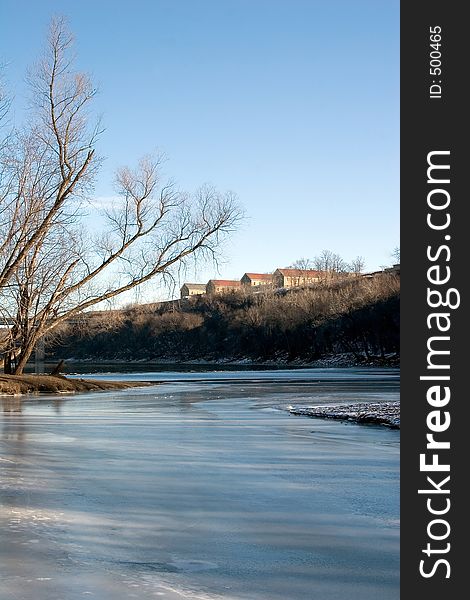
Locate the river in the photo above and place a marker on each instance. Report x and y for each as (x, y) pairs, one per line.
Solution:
(201, 487)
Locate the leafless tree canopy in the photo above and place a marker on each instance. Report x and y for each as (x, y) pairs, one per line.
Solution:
(330, 263)
(51, 268)
(303, 264)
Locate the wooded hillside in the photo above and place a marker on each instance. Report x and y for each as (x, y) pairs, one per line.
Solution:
(356, 315)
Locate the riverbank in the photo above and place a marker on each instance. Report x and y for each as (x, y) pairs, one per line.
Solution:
(355, 321)
(376, 413)
(339, 360)
(12, 385)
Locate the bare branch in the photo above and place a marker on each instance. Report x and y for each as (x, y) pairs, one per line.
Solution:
(51, 269)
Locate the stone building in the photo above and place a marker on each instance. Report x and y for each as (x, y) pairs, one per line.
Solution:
(216, 286)
(286, 278)
(192, 289)
(257, 279)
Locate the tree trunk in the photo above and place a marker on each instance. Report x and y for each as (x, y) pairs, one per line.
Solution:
(23, 357)
(7, 362)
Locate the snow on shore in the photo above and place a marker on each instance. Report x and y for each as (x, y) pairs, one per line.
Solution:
(378, 413)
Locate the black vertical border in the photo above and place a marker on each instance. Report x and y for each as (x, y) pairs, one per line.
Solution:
(427, 125)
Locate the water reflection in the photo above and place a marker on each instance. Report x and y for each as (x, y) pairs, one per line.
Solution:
(15, 405)
(11, 404)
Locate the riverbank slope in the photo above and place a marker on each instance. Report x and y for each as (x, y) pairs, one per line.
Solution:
(356, 319)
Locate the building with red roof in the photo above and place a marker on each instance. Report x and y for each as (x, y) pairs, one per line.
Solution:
(285, 278)
(215, 286)
(257, 279)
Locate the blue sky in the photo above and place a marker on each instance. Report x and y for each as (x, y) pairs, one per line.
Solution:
(292, 104)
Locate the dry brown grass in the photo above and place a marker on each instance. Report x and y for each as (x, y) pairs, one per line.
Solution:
(34, 384)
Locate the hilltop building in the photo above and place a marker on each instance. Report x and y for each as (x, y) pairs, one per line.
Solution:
(395, 270)
(192, 289)
(257, 279)
(286, 278)
(216, 286)
(281, 278)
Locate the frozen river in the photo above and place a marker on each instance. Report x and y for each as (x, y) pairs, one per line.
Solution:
(201, 487)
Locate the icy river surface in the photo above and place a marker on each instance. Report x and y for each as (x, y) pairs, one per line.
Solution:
(201, 487)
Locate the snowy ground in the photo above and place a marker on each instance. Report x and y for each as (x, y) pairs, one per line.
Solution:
(377, 413)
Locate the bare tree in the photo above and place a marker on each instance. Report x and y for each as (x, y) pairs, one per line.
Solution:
(51, 269)
(396, 254)
(357, 265)
(52, 163)
(303, 264)
(331, 263)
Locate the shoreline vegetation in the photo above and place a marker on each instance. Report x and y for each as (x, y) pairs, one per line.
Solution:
(340, 360)
(13, 385)
(352, 322)
(345, 322)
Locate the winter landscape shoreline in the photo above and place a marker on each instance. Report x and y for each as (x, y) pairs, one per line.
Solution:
(13, 385)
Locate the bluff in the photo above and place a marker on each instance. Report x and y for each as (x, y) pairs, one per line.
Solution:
(358, 316)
